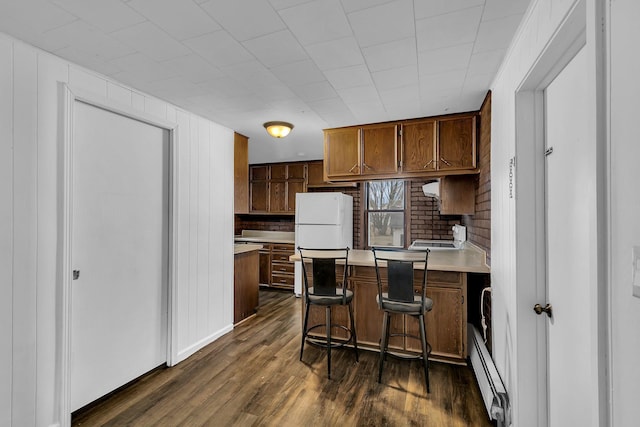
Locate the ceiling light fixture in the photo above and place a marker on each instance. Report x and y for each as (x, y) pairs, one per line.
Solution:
(278, 129)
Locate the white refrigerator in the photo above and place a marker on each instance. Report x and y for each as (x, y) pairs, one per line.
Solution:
(323, 221)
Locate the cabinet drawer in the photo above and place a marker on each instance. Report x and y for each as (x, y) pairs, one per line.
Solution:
(283, 247)
(280, 256)
(282, 279)
(444, 277)
(280, 267)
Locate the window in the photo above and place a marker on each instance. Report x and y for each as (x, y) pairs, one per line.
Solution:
(385, 207)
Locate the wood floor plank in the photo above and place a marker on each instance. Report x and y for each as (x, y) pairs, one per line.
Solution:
(252, 377)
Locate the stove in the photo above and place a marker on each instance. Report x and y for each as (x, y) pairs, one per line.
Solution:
(436, 245)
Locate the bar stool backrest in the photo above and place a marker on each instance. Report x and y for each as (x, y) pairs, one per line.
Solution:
(400, 267)
(324, 276)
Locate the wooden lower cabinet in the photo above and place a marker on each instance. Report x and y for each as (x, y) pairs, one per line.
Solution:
(446, 324)
(265, 264)
(245, 295)
(282, 275)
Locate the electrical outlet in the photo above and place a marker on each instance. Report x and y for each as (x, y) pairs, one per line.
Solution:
(635, 274)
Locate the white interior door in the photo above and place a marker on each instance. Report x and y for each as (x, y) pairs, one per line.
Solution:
(120, 248)
(569, 199)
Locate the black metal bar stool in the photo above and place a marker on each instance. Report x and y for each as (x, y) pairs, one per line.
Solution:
(396, 267)
(328, 289)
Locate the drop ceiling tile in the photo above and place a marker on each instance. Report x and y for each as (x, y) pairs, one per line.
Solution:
(496, 34)
(181, 20)
(259, 80)
(368, 112)
(225, 87)
(317, 21)
(391, 55)
(334, 111)
(448, 30)
(87, 38)
(336, 54)
(399, 96)
(443, 60)
(384, 23)
(486, 62)
(426, 9)
(299, 73)
(444, 81)
(347, 77)
(396, 77)
(88, 60)
(18, 18)
(193, 67)
(174, 88)
(151, 41)
(356, 95)
(355, 5)
(245, 21)
(494, 9)
(107, 15)
(479, 82)
(276, 49)
(315, 91)
(219, 49)
(139, 67)
(285, 4)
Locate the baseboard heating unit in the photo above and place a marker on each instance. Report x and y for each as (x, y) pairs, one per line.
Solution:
(491, 387)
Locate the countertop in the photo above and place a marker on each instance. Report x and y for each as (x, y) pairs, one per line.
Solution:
(243, 248)
(256, 236)
(471, 259)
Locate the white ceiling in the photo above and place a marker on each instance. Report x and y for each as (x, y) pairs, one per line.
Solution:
(314, 63)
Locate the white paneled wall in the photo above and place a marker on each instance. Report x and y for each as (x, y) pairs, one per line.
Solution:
(539, 26)
(29, 190)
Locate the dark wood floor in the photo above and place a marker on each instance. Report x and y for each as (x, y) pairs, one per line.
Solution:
(252, 376)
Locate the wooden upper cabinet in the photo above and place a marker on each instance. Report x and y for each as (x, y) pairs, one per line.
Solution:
(293, 187)
(278, 172)
(419, 146)
(259, 196)
(278, 196)
(432, 146)
(457, 143)
(241, 173)
(259, 173)
(379, 149)
(296, 171)
(342, 152)
(315, 174)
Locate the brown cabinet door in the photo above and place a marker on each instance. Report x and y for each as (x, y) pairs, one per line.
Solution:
(259, 173)
(444, 323)
(380, 150)
(246, 277)
(419, 146)
(458, 195)
(278, 172)
(457, 143)
(259, 196)
(278, 196)
(315, 174)
(342, 152)
(293, 187)
(241, 173)
(296, 171)
(265, 265)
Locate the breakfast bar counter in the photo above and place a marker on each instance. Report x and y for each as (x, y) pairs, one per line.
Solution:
(447, 279)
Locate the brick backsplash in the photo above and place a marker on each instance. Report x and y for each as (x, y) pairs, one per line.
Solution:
(426, 221)
(479, 225)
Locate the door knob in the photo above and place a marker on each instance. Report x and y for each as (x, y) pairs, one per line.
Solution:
(540, 309)
(76, 274)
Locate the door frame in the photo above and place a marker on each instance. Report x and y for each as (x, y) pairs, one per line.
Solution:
(580, 28)
(68, 97)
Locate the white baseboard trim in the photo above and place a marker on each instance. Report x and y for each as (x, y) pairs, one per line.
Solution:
(187, 352)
